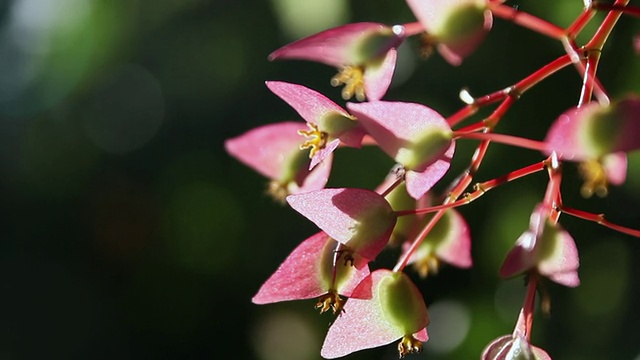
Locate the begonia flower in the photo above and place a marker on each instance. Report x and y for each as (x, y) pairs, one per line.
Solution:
(273, 150)
(456, 27)
(449, 241)
(415, 136)
(598, 136)
(313, 270)
(399, 199)
(546, 248)
(364, 53)
(360, 219)
(395, 311)
(329, 124)
(514, 346)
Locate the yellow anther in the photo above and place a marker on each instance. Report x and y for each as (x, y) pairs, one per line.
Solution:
(595, 179)
(427, 45)
(352, 77)
(409, 345)
(426, 265)
(278, 191)
(330, 300)
(316, 139)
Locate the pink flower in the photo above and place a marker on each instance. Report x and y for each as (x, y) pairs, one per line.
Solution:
(415, 136)
(364, 53)
(274, 151)
(514, 346)
(360, 219)
(314, 269)
(597, 136)
(329, 124)
(449, 242)
(456, 26)
(395, 311)
(546, 248)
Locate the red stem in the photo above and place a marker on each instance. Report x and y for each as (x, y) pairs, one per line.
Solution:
(527, 20)
(599, 219)
(529, 303)
(503, 139)
(479, 189)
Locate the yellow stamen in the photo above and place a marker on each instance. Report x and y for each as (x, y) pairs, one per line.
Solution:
(427, 44)
(330, 300)
(316, 139)
(353, 79)
(409, 345)
(278, 191)
(426, 265)
(595, 178)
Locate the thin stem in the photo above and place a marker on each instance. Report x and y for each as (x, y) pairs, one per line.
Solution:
(527, 20)
(542, 73)
(462, 114)
(480, 189)
(529, 303)
(627, 10)
(599, 219)
(503, 139)
(413, 28)
(594, 49)
(579, 23)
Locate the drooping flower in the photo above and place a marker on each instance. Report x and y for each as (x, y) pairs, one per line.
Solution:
(456, 27)
(360, 219)
(315, 269)
(273, 150)
(449, 242)
(395, 311)
(329, 124)
(415, 136)
(514, 346)
(546, 248)
(364, 53)
(598, 136)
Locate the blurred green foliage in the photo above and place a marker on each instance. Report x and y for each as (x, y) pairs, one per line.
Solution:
(130, 234)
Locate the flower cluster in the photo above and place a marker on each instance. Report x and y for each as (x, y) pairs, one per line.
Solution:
(378, 306)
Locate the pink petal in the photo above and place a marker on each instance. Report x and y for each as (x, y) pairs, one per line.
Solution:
(322, 154)
(455, 249)
(359, 218)
(300, 276)
(319, 110)
(615, 166)
(378, 75)
(432, 14)
(364, 324)
(316, 179)
(455, 53)
(310, 104)
(399, 126)
(345, 45)
(593, 130)
(419, 183)
(268, 149)
(564, 137)
(560, 260)
(521, 257)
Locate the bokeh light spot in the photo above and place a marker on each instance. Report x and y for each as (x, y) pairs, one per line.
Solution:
(450, 323)
(284, 335)
(126, 111)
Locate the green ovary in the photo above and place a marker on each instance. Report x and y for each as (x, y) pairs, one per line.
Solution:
(460, 23)
(402, 303)
(419, 154)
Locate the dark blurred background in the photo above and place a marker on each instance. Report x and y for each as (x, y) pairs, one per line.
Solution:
(128, 232)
